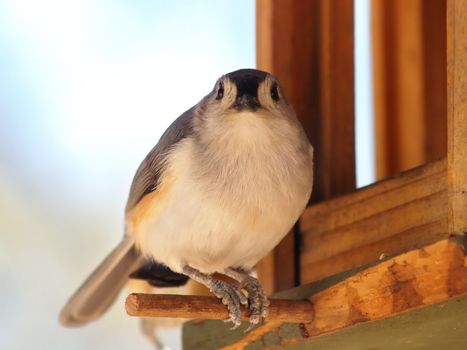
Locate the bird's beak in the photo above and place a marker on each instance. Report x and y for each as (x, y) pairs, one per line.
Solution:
(246, 101)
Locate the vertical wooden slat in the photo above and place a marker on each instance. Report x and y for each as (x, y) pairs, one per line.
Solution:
(409, 76)
(308, 45)
(380, 86)
(284, 34)
(336, 151)
(457, 115)
(434, 75)
(399, 105)
(286, 46)
(409, 89)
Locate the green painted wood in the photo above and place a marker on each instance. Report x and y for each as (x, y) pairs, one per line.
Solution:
(210, 334)
(440, 326)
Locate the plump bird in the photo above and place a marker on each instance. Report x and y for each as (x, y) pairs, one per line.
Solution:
(224, 184)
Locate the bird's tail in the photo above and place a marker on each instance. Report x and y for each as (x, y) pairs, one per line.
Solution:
(101, 288)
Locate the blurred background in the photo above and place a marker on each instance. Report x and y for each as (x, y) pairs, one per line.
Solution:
(86, 90)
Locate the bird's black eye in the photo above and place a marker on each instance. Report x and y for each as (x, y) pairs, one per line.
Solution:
(275, 92)
(220, 91)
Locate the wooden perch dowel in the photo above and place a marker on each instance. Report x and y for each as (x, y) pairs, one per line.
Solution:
(211, 308)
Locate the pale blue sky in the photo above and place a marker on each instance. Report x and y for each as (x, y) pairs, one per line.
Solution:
(364, 123)
(92, 82)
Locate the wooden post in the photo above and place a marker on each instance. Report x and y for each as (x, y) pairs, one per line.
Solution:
(409, 40)
(308, 45)
(457, 115)
(335, 147)
(434, 74)
(284, 47)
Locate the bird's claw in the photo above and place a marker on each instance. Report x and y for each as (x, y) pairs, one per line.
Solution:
(232, 298)
(258, 301)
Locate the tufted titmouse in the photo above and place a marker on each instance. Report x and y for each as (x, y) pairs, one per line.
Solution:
(224, 184)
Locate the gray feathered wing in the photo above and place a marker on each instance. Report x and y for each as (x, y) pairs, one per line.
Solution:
(102, 287)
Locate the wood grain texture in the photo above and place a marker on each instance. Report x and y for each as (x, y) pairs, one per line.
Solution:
(457, 115)
(387, 218)
(419, 278)
(394, 38)
(409, 66)
(210, 308)
(335, 151)
(435, 78)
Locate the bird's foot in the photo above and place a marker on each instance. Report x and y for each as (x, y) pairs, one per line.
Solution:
(231, 297)
(257, 300)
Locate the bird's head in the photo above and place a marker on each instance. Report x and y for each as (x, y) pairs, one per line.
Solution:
(248, 93)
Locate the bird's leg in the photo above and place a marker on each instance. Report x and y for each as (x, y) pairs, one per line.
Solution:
(149, 330)
(257, 299)
(231, 296)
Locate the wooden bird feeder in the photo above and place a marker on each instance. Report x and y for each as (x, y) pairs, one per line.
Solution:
(381, 267)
